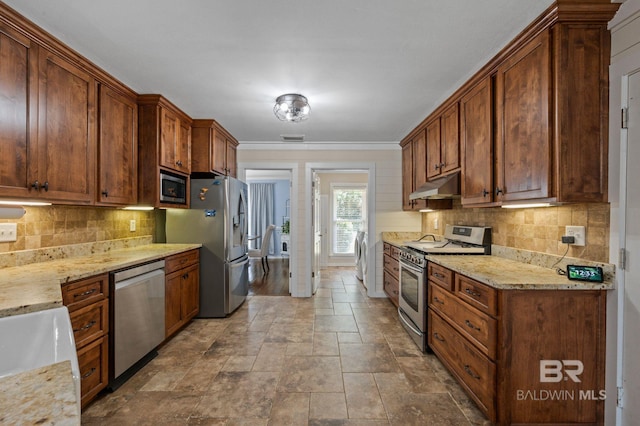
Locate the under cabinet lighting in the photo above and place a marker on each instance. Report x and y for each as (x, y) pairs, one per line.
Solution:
(526, 206)
(426, 210)
(24, 203)
(140, 208)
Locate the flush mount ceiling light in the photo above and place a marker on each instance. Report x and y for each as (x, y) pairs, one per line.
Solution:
(291, 107)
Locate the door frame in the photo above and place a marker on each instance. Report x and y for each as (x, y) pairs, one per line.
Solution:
(293, 218)
(364, 167)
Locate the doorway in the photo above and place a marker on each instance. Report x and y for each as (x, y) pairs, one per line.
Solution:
(343, 202)
(270, 200)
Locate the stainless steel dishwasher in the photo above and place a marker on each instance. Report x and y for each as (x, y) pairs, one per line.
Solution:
(138, 318)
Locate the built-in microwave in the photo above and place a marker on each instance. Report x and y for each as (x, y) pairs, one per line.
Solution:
(173, 188)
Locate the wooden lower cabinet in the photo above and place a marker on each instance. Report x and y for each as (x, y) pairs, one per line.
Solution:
(88, 303)
(391, 272)
(517, 352)
(182, 290)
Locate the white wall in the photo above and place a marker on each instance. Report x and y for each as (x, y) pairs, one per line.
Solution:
(388, 191)
(625, 57)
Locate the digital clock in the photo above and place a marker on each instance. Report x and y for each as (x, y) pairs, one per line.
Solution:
(585, 273)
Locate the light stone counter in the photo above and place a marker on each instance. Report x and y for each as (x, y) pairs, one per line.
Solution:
(36, 286)
(399, 239)
(502, 273)
(43, 396)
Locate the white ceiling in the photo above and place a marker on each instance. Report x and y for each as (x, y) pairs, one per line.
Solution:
(372, 69)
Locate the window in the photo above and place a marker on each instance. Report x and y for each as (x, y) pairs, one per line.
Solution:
(348, 216)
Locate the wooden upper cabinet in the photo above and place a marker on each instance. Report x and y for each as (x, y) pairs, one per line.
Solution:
(66, 131)
(476, 129)
(523, 132)
(175, 146)
(443, 143)
(414, 170)
(117, 148)
(164, 133)
(213, 149)
(18, 113)
(407, 175)
(450, 140)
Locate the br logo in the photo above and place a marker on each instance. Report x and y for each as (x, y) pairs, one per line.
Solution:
(554, 370)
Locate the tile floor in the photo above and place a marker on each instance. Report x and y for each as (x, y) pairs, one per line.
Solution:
(338, 358)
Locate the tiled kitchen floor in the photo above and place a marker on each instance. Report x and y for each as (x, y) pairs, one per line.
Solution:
(338, 358)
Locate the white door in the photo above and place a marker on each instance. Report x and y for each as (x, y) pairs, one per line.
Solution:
(631, 243)
(317, 234)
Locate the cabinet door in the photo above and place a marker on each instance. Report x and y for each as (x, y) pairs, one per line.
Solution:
(523, 137)
(232, 162)
(419, 148)
(18, 112)
(118, 148)
(450, 140)
(169, 128)
(407, 176)
(183, 152)
(190, 292)
(219, 153)
(172, 303)
(66, 131)
(433, 148)
(477, 144)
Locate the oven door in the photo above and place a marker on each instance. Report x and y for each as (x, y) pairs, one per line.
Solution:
(412, 302)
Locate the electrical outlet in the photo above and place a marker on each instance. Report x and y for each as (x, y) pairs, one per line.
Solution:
(132, 225)
(435, 223)
(578, 233)
(8, 232)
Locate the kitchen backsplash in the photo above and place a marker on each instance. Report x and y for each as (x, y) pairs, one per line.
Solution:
(52, 226)
(533, 229)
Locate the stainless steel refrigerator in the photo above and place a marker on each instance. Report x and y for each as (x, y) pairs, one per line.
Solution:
(217, 219)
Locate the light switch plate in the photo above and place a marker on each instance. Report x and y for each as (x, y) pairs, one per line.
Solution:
(578, 233)
(8, 232)
(132, 225)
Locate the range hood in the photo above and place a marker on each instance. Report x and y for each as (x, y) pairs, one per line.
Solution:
(442, 188)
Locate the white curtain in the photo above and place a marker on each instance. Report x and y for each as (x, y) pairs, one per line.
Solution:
(261, 212)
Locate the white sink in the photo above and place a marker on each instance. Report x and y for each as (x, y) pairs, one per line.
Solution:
(36, 340)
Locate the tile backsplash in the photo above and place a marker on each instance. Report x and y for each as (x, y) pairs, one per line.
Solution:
(534, 229)
(51, 226)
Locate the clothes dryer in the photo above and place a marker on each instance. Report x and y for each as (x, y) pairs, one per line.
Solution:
(357, 249)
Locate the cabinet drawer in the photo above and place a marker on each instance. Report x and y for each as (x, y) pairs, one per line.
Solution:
(474, 370)
(395, 252)
(90, 322)
(179, 261)
(386, 248)
(476, 326)
(440, 275)
(391, 286)
(92, 360)
(477, 294)
(81, 293)
(391, 265)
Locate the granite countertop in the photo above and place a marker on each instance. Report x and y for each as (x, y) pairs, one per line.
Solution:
(36, 286)
(502, 273)
(43, 396)
(399, 239)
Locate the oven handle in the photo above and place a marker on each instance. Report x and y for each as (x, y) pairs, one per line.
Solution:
(411, 267)
(415, 330)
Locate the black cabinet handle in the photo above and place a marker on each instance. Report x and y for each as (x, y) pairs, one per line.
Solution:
(485, 192)
(499, 191)
(439, 276)
(36, 185)
(45, 185)
(470, 372)
(86, 293)
(436, 166)
(85, 327)
(470, 325)
(435, 299)
(438, 337)
(85, 375)
(471, 292)
(105, 193)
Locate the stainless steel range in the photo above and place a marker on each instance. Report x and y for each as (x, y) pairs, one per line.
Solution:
(458, 240)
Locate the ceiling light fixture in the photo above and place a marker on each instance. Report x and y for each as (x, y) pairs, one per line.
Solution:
(292, 107)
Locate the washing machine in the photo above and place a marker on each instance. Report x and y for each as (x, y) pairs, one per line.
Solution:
(364, 250)
(357, 249)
